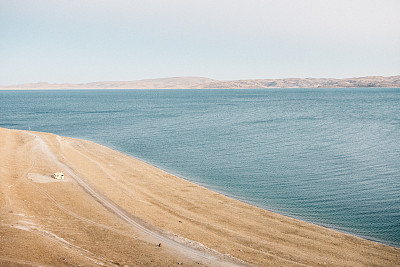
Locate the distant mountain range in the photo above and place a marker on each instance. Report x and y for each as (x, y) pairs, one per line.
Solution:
(207, 83)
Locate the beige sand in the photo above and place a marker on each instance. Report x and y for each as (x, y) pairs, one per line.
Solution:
(112, 210)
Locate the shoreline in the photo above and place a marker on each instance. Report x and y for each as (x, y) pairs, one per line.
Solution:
(232, 196)
(162, 203)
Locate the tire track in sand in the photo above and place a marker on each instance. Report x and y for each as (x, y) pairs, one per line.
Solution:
(149, 235)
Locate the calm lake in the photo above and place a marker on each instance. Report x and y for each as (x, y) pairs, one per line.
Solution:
(327, 156)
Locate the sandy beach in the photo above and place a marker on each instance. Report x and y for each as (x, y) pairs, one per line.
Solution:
(114, 210)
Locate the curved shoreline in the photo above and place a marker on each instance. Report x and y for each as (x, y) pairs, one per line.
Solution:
(172, 206)
(232, 196)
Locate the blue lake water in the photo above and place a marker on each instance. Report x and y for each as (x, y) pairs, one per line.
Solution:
(327, 156)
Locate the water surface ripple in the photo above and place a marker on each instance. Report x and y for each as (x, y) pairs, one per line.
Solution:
(328, 156)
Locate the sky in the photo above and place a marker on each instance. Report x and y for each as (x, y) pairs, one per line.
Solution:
(79, 41)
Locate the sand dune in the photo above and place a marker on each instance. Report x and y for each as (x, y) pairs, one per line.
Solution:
(112, 209)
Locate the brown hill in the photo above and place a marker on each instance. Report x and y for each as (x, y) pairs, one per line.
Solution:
(163, 83)
(207, 83)
(373, 81)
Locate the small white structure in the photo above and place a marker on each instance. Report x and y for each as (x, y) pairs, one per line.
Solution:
(58, 175)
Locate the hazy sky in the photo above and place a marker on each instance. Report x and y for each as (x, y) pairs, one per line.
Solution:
(99, 40)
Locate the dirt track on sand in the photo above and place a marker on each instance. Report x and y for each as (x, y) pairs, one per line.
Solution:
(112, 210)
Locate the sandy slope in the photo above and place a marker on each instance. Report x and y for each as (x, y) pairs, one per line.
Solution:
(114, 210)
